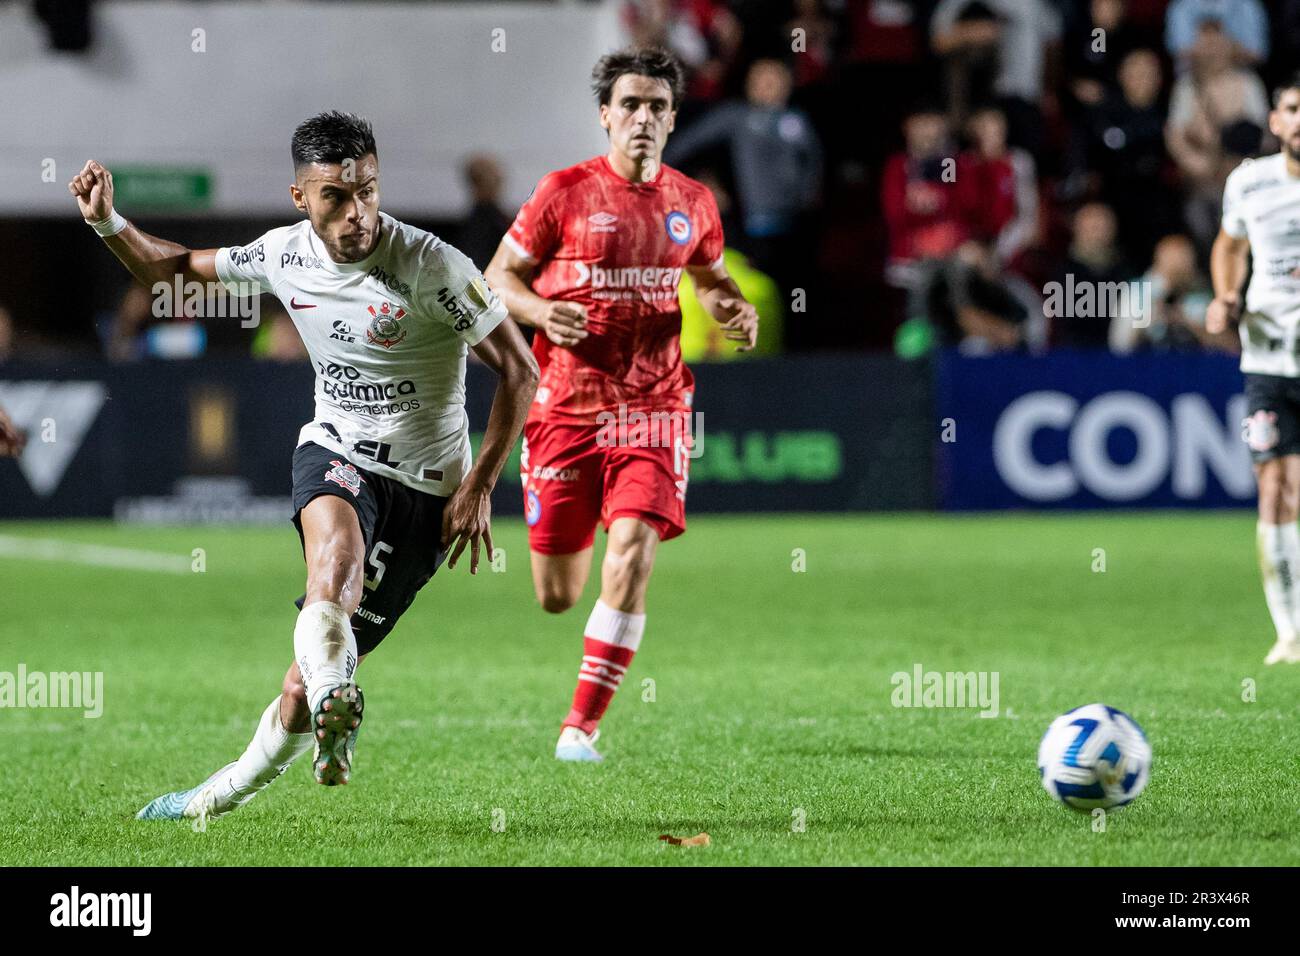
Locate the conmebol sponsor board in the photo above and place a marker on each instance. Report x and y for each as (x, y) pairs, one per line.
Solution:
(211, 441)
(1085, 430)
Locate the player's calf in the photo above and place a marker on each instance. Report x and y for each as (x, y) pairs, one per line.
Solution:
(295, 713)
(1278, 550)
(612, 635)
(629, 559)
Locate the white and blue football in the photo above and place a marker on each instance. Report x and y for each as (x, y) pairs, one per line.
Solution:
(1094, 756)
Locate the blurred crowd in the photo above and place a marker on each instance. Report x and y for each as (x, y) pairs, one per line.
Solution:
(925, 172)
(907, 174)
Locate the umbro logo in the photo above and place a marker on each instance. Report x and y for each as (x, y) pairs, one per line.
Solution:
(602, 221)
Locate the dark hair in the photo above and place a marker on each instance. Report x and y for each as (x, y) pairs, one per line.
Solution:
(923, 105)
(654, 62)
(332, 137)
(1291, 82)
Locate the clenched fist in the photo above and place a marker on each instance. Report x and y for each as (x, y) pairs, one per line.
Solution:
(93, 187)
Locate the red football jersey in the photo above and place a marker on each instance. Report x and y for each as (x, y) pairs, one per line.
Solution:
(618, 248)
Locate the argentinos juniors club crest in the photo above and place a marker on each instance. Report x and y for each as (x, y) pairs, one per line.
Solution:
(384, 328)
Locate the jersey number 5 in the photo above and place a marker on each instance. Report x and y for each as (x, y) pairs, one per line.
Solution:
(376, 560)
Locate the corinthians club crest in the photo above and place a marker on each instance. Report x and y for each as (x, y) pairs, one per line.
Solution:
(384, 328)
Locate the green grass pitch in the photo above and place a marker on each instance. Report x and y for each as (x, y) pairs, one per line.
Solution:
(771, 701)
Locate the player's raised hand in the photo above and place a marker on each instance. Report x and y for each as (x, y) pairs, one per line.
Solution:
(466, 519)
(741, 322)
(11, 439)
(93, 187)
(1223, 311)
(565, 323)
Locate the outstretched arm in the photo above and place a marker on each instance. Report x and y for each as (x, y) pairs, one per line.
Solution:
(147, 257)
(722, 299)
(467, 516)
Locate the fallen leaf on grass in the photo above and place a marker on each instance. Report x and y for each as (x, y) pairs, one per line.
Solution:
(701, 839)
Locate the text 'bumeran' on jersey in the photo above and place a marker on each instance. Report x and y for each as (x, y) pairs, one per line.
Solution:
(388, 338)
(1261, 203)
(618, 248)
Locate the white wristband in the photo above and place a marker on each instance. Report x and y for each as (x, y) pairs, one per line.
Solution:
(111, 226)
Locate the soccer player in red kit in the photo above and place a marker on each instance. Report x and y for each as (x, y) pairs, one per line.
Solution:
(592, 262)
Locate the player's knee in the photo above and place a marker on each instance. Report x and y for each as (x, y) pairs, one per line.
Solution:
(556, 603)
(557, 597)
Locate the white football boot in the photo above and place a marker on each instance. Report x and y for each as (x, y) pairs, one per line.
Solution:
(1284, 652)
(576, 746)
(200, 801)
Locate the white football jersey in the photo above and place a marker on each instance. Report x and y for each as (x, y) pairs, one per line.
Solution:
(388, 337)
(1261, 202)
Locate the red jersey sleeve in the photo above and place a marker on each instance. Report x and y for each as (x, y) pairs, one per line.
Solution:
(536, 230)
(709, 249)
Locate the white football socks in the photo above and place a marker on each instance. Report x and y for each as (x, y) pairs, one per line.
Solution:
(325, 648)
(1279, 563)
(268, 755)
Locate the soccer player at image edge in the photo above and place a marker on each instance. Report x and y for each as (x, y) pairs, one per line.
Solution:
(592, 263)
(1258, 237)
(384, 488)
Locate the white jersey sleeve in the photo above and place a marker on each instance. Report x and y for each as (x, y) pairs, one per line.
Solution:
(1261, 203)
(239, 267)
(454, 292)
(1234, 221)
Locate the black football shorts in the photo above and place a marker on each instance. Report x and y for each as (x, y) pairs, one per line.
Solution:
(1272, 425)
(402, 528)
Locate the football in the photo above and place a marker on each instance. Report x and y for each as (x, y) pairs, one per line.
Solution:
(1094, 756)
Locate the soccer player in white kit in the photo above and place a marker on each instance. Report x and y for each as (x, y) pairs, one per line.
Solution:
(383, 484)
(1260, 234)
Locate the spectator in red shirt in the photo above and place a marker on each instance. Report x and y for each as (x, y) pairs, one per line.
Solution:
(1002, 185)
(923, 198)
(815, 44)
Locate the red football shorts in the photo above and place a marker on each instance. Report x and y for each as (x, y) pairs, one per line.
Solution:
(574, 476)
